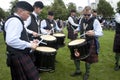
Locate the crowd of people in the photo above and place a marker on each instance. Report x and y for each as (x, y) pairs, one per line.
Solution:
(22, 32)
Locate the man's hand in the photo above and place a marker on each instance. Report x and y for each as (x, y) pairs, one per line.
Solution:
(90, 33)
(34, 45)
(35, 34)
(75, 32)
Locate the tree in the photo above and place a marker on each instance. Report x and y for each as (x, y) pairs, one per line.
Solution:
(118, 5)
(2, 14)
(105, 9)
(59, 9)
(44, 12)
(11, 10)
(71, 6)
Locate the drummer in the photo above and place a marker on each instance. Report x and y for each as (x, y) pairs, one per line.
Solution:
(33, 22)
(92, 29)
(18, 45)
(49, 25)
(72, 25)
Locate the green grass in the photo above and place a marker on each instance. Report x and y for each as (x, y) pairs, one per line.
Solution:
(103, 70)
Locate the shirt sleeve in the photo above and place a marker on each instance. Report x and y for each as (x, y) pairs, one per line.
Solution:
(57, 28)
(13, 28)
(78, 28)
(97, 28)
(117, 17)
(43, 25)
(27, 23)
(72, 22)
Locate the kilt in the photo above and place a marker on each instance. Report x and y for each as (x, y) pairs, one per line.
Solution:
(93, 57)
(71, 34)
(116, 45)
(22, 67)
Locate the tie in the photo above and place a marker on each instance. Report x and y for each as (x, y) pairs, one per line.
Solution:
(37, 18)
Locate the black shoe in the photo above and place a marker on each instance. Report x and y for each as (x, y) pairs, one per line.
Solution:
(116, 68)
(85, 77)
(76, 74)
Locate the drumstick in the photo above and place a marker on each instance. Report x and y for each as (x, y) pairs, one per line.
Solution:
(82, 34)
(42, 42)
(40, 34)
(73, 28)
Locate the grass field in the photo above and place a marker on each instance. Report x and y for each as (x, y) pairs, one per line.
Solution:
(103, 70)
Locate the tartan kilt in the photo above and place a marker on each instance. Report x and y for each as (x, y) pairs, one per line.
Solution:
(93, 57)
(22, 67)
(116, 45)
(71, 34)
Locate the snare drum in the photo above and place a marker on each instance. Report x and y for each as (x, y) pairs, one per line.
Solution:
(50, 40)
(45, 58)
(82, 48)
(60, 38)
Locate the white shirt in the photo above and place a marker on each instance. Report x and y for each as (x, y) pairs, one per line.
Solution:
(117, 17)
(70, 20)
(97, 28)
(13, 28)
(28, 22)
(44, 24)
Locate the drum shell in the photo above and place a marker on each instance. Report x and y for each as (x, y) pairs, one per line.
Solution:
(60, 39)
(82, 49)
(45, 61)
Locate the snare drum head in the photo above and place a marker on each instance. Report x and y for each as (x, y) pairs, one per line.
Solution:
(48, 37)
(45, 49)
(76, 42)
(59, 35)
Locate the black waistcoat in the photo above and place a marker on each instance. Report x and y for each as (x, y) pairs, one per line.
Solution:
(75, 21)
(89, 24)
(24, 36)
(50, 24)
(33, 25)
(117, 28)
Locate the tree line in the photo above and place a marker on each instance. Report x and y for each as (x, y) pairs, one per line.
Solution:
(62, 11)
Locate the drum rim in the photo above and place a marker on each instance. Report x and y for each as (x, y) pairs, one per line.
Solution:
(84, 42)
(48, 39)
(55, 34)
(54, 50)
